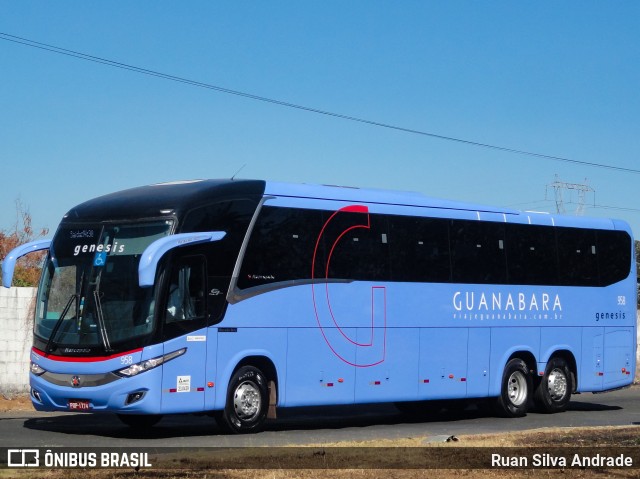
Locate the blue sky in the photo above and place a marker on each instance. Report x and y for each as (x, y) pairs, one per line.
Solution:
(558, 78)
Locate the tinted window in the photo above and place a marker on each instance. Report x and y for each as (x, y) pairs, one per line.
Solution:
(370, 247)
(614, 256)
(477, 251)
(357, 246)
(281, 246)
(232, 217)
(531, 254)
(577, 257)
(419, 249)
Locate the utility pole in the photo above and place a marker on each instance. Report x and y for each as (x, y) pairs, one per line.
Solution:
(582, 189)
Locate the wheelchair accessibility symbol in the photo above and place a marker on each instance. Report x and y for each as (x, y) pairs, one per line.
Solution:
(100, 259)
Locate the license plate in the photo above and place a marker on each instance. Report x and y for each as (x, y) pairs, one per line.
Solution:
(79, 405)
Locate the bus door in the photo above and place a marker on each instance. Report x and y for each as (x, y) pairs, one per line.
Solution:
(184, 328)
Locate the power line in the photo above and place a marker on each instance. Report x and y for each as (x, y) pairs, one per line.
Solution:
(617, 208)
(594, 206)
(165, 76)
(527, 203)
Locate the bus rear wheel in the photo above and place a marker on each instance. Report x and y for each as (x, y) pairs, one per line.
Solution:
(247, 402)
(515, 390)
(554, 391)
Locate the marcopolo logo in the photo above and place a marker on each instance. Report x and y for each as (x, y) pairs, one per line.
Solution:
(483, 305)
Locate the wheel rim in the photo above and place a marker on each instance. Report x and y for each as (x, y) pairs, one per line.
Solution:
(247, 401)
(557, 384)
(517, 388)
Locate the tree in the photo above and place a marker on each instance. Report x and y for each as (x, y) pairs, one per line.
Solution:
(28, 268)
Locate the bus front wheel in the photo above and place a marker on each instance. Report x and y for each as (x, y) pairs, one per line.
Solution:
(554, 391)
(515, 390)
(247, 402)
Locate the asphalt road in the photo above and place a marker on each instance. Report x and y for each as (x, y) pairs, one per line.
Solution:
(300, 426)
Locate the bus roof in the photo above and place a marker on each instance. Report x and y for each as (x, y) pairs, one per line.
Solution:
(374, 196)
(412, 199)
(178, 197)
(161, 199)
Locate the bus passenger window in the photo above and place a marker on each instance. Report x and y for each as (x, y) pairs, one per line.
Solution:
(478, 254)
(281, 247)
(614, 256)
(532, 255)
(419, 249)
(577, 253)
(357, 252)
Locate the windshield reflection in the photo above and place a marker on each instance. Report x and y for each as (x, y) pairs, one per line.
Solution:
(89, 295)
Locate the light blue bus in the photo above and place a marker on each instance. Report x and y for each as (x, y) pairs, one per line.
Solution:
(238, 297)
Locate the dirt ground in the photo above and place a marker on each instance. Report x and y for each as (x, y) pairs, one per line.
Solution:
(18, 402)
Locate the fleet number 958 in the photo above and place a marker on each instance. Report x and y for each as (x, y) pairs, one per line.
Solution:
(126, 360)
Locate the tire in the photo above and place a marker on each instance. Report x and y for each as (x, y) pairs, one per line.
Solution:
(515, 390)
(140, 421)
(554, 391)
(247, 402)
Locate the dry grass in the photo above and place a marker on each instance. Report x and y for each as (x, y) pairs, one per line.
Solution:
(202, 465)
(614, 436)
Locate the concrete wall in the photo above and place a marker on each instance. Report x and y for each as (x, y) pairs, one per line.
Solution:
(16, 325)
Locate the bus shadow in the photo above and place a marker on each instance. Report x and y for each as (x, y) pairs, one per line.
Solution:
(342, 417)
(591, 407)
(289, 419)
(108, 425)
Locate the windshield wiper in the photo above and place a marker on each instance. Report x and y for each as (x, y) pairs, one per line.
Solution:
(101, 324)
(56, 327)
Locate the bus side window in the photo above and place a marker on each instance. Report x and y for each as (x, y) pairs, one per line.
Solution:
(186, 300)
(281, 247)
(419, 249)
(577, 253)
(477, 252)
(357, 252)
(614, 256)
(532, 255)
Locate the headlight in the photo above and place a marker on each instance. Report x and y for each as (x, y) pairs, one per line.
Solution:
(35, 369)
(148, 364)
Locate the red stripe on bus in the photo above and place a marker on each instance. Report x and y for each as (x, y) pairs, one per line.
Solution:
(75, 359)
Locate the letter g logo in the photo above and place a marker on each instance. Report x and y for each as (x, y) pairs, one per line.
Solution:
(327, 322)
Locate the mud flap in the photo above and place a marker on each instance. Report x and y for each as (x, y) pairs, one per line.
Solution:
(271, 413)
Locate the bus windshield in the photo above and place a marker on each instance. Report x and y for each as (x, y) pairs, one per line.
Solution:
(89, 295)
